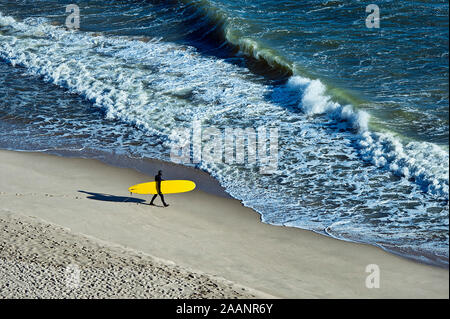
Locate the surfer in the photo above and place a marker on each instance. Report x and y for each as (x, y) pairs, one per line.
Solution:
(158, 179)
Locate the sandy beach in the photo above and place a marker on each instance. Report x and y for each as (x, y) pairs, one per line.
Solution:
(57, 211)
(42, 260)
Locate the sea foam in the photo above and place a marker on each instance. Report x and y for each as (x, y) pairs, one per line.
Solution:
(424, 162)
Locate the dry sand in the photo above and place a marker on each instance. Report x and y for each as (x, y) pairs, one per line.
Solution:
(198, 234)
(41, 260)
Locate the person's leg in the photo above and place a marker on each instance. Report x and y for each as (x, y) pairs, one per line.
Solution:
(154, 196)
(162, 198)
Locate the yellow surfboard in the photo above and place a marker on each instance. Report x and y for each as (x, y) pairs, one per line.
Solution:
(167, 187)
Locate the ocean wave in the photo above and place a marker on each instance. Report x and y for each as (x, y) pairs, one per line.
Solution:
(425, 163)
(384, 150)
(316, 101)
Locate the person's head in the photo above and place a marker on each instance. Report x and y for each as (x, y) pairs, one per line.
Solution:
(159, 173)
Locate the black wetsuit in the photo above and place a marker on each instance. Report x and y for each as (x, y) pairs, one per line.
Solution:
(158, 181)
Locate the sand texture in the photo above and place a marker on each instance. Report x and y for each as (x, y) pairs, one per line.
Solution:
(41, 260)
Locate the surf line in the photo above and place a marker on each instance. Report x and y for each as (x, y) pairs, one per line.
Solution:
(211, 145)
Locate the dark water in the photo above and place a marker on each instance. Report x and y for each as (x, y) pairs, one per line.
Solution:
(362, 114)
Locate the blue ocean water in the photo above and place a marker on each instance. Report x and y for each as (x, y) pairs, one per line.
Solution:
(362, 114)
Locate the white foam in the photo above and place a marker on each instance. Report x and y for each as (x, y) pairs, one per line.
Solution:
(427, 163)
(315, 101)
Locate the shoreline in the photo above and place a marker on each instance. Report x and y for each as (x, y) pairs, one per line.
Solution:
(214, 234)
(208, 184)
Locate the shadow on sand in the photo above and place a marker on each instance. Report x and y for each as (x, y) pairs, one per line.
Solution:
(113, 198)
(117, 199)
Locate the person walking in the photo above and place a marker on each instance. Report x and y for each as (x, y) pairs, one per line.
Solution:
(158, 180)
